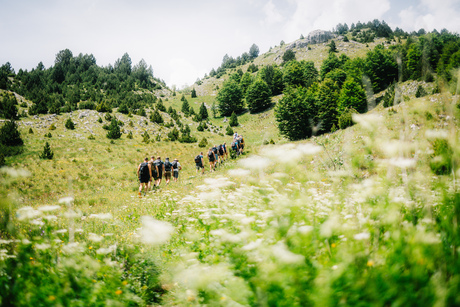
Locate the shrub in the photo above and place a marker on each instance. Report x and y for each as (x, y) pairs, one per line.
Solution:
(47, 153)
(345, 119)
(2, 159)
(233, 120)
(130, 135)
(420, 92)
(173, 135)
(203, 143)
(88, 105)
(91, 137)
(52, 127)
(145, 137)
(441, 160)
(114, 130)
(108, 117)
(48, 135)
(229, 131)
(69, 124)
(31, 131)
(99, 120)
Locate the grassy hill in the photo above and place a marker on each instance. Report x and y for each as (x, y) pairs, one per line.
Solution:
(366, 215)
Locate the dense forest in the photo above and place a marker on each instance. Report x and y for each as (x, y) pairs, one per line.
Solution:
(77, 82)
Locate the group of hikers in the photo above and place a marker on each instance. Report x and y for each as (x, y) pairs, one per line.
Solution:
(219, 153)
(150, 172)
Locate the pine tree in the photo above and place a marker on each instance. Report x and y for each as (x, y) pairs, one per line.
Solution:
(203, 113)
(233, 120)
(156, 117)
(114, 130)
(229, 131)
(47, 153)
(193, 93)
(9, 134)
(185, 107)
(69, 124)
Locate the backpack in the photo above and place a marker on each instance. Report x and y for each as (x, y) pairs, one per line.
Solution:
(168, 166)
(221, 150)
(234, 146)
(211, 155)
(214, 149)
(174, 165)
(144, 169)
(198, 159)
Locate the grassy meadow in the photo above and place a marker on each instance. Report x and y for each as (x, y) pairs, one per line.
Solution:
(358, 217)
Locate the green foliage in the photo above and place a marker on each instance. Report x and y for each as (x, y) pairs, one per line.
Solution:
(156, 117)
(346, 118)
(332, 47)
(99, 120)
(48, 135)
(289, 55)
(185, 107)
(245, 82)
(47, 153)
(123, 109)
(420, 92)
(69, 124)
(441, 161)
(88, 105)
(52, 127)
(103, 107)
(273, 76)
(329, 64)
(91, 137)
(8, 107)
(389, 97)
(380, 66)
(130, 135)
(193, 93)
(229, 130)
(352, 96)
(114, 130)
(145, 137)
(233, 120)
(203, 143)
(31, 131)
(173, 135)
(2, 159)
(328, 96)
(108, 117)
(203, 113)
(258, 96)
(10, 135)
(230, 98)
(295, 113)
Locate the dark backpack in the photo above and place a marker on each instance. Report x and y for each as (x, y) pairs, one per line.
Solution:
(198, 159)
(168, 166)
(221, 150)
(144, 169)
(174, 165)
(211, 155)
(214, 149)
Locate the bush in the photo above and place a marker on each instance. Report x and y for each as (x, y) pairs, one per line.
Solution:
(114, 130)
(203, 143)
(47, 153)
(130, 135)
(345, 119)
(31, 131)
(229, 131)
(108, 117)
(69, 124)
(87, 105)
(145, 137)
(173, 135)
(91, 137)
(441, 160)
(52, 127)
(420, 92)
(48, 135)
(233, 120)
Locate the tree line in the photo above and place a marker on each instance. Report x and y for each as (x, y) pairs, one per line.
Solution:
(320, 101)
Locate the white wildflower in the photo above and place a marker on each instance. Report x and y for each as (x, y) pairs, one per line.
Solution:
(72, 248)
(15, 172)
(5, 241)
(94, 237)
(309, 149)
(43, 246)
(362, 236)
(330, 226)
(436, 134)
(48, 208)
(368, 121)
(403, 162)
(252, 245)
(255, 162)
(25, 241)
(71, 214)
(239, 172)
(26, 213)
(396, 148)
(50, 217)
(304, 229)
(66, 200)
(155, 232)
(101, 216)
(108, 250)
(60, 231)
(37, 222)
(284, 255)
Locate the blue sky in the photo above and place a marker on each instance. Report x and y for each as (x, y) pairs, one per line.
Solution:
(183, 39)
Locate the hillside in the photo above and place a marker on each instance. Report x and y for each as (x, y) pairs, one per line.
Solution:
(365, 215)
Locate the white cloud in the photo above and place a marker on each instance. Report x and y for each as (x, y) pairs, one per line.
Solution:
(431, 15)
(272, 15)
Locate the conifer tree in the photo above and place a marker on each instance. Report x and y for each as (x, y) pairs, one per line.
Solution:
(69, 124)
(9, 134)
(233, 120)
(185, 107)
(47, 153)
(203, 113)
(114, 130)
(193, 95)
(156, 117)
(229, 131)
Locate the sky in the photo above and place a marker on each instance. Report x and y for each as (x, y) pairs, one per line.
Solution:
(182, 39)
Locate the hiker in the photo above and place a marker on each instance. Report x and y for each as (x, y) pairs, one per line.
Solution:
(212, 159)
(176, 168)
(154, 173)
(216, 155)
(168, 170)
(225, 150)
(199, 163)
(144, 173)
(220, 150)
(235, 148)
(160, 170)
(241, 141)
